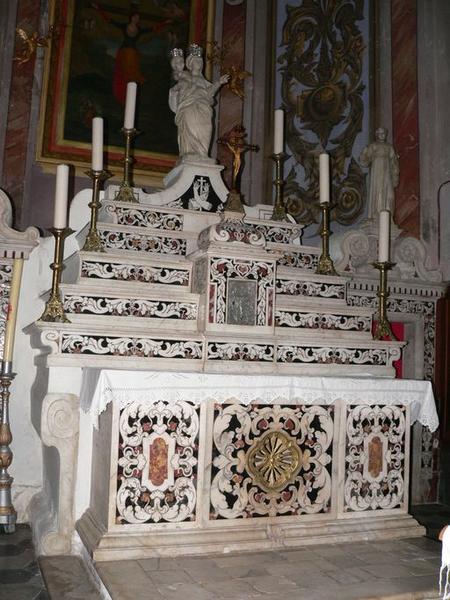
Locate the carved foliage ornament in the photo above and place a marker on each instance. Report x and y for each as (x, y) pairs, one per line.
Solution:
(322, 89)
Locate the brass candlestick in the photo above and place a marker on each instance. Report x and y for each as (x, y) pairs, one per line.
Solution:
(93, 242)
(54, 309)
(383, 328)
(279, 210)
(325, 265)
(125, 193)
(8, 514)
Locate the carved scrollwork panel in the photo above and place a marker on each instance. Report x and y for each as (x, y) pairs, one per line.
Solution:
(157, 463)
(375, 457)
(271, 460)
(323, 64)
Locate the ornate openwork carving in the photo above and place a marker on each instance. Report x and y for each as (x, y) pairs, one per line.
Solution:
(157, 465)
(127, 272)
(375, 457)
(271, 460)
(322, 90)
(138, 242)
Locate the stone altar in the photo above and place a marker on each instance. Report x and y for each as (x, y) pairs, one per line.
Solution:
(178, 290)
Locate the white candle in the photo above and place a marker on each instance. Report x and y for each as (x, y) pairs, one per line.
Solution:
(13, 303)
(61, 197)
(130, 105)
(384, 236)
(278, 136)
(97, 144)
(324, 178)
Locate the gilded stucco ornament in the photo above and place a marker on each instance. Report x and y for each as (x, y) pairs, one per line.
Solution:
(322, 93)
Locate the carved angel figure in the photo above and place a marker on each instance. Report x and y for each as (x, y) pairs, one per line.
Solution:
(30, 42)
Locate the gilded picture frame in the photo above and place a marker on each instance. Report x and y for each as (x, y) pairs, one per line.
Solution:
(87, 65)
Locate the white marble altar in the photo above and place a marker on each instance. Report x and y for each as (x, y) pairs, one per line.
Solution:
(178, 290)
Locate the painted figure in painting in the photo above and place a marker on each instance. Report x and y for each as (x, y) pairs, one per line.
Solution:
(381, 158)
(127, 62)
(191, 99)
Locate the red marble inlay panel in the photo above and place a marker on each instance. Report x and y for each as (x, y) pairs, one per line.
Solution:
(405, 107)
(375, 448)
(158, 462)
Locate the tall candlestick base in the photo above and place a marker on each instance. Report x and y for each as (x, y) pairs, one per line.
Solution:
(279, 209)
(125, 193)
(8, 515)
(383, 329)
(54, 309)
(325, 265)
(93, 242)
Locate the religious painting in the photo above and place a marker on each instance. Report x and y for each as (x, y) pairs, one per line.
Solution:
(98, 48)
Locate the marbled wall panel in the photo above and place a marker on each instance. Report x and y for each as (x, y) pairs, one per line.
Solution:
(405, 107)
(18, 118)
(231, 106)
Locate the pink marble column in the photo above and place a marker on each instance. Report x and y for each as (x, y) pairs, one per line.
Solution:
(230, 105)
(18, 118)
(405, 114)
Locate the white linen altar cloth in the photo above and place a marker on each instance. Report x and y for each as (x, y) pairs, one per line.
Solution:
(99, 387)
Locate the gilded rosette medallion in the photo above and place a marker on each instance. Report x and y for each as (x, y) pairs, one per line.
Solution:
(274, 461)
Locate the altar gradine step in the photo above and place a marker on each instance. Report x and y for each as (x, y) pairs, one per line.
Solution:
(143, 269)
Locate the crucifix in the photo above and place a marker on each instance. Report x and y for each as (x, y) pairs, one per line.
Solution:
(235, 142)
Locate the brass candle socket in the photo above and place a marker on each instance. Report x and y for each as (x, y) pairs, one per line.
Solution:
(54, 309)
(93, 242)
(8, 514)
(125, 193)
(279, 209)
(325, 265)
(383, 327)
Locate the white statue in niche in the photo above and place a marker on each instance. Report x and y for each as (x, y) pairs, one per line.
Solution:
(382, 159)
(191, 99)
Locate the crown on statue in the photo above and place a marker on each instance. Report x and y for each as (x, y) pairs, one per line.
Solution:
(176, 52)
(195, 50)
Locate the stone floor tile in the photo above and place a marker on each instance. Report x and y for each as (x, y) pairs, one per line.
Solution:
(305, 567)
(331, 550)
(315, 581)
(297, 555)
(169, 577)
(387, 571)
(203, 574)
(18, 591)
(158, 564)
(420, 566)
(248, 559)
(182, 591)
(126, 580)
(271, 585)
(346, 561)
(194, 562)
(67, 577)
(348, 576)
(245, 571)
(17, 560)
(233, 588)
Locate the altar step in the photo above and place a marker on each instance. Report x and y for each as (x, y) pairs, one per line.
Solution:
(106, 342)
(246, 536)
(143, 270)
(157, 308)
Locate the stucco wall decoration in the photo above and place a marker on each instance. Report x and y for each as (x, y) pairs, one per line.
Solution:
(323, 85)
